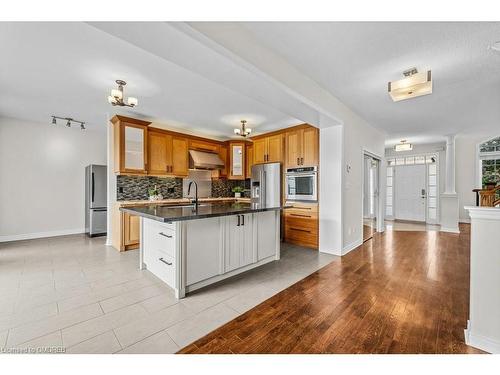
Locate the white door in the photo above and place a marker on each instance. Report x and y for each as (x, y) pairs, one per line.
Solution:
(410, 189)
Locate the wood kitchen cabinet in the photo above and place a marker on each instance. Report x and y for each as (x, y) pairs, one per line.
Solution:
(237, 157)
(301, 224)
(130, 145)
(268, 149)
(302, 147)
(131, 229)
(249, 161)
(167, 154)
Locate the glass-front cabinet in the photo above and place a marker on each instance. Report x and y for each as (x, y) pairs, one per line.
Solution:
(130, 145)
(237, 160)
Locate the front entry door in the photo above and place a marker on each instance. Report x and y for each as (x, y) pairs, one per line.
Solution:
(410, 189)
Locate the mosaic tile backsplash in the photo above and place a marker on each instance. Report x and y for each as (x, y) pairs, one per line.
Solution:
(136, 187)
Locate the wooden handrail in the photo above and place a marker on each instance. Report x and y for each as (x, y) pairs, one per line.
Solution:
(489, 197)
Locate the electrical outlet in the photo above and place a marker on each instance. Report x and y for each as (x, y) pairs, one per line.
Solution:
(170, 190)
(120, 189)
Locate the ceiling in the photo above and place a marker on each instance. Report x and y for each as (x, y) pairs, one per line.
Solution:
(68, 69)
(187, 81)
(355, 60)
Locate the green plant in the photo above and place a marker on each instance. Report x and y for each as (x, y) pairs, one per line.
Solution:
(153, 191)
(237, 189)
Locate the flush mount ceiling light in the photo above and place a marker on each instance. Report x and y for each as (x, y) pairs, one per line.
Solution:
(495, 46)
(414, 84)
(69, 121)
(403, 146)
(116, 97)
(243, 131)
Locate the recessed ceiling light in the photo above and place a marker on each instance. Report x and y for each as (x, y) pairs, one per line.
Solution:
(495, 46)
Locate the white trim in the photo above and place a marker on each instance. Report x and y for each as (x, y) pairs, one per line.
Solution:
(381, 191)
(464, 221)
(481, 342)
(450, 230)
(485, 213)
(32, 236)
(351, 246)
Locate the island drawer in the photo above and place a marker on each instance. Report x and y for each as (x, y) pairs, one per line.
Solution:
(162, 266)
(159, 238)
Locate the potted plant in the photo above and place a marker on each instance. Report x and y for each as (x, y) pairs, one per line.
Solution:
(237, 190)
(154, 194)
(490, 183)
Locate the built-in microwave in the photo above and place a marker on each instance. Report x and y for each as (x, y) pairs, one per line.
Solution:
(302, 184)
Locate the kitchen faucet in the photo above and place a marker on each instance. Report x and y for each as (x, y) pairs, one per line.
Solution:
(195, 193)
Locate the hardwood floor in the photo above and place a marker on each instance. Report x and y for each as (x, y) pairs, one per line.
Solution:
(401, 292)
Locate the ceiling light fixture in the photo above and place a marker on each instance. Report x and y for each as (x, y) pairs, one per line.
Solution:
(403, 146)
(414, 84)
(116, 97)
(243, 131)
(69, 121)
(495, 46)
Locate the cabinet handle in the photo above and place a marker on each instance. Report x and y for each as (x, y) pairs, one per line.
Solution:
(164, 261)
(243, 220)
(298, 161)
(164, 235)
(300, 215)
(301, 230)
(302, 208)
(238, 221)
(301, 161)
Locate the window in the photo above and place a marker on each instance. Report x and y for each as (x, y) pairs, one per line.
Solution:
(489, 156)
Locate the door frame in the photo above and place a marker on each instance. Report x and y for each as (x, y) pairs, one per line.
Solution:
(380, 227)
(395, 189)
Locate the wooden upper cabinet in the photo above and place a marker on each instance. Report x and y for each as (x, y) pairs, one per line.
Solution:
(180, 159)
(237, 157)
(197, 144)
(130, 137)
(223, 154)
(159, 157)
(275, 148)
(260, 150)
(249, 161)
(268, 149)
(310, 147)
(302, 147)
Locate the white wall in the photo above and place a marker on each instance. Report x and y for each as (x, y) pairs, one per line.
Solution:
(42, 177)
(359, 136)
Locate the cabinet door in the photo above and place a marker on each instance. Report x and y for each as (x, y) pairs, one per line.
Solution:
(131, 229)
(223, 155)
(203, 249)
(158, 149)
(275, 148)
(249, 161)
(134, 148)
(293, 144)
(310, 147)
(179, 157)
(232, 244)
(236, 161)
(200, 145)
(267, 234)
(259, 150)
(248, 250)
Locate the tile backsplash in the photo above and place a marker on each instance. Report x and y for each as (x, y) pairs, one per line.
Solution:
(136, 187)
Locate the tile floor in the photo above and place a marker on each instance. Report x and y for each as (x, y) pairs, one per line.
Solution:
(74, 294)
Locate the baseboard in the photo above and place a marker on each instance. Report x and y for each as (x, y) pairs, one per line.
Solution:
(465, 221)
(32, 236)
(450, 230)
(481, 342)
(351, 246)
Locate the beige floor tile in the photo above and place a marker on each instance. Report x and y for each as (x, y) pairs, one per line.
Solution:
(159, 343)
(160, 302)
(130, 298)
(48, 344)
(140, 329)
(102, 344)
(42, 327)
(91, 297)
(33, 315)
(187, 331)
(245, 301)
(96, 326)
(3, 338)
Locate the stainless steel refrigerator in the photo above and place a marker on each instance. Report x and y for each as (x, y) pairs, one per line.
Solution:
(266, 184)
(95, 200)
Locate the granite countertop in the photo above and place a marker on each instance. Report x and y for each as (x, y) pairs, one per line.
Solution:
(207, 210)
(131, 203)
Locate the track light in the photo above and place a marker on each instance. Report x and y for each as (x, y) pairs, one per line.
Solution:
(68, 120)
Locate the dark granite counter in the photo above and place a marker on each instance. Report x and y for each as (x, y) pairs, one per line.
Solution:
(187, 212)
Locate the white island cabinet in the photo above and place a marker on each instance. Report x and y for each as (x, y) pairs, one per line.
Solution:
(191, 254)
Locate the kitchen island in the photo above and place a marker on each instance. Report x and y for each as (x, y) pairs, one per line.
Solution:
(189, 247)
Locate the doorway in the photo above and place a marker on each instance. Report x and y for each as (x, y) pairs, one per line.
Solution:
(410, 193)
(371, 189)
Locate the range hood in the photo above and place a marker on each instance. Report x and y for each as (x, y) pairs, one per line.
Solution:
(204, 160)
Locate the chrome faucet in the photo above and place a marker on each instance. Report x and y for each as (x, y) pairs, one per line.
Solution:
(195, 193)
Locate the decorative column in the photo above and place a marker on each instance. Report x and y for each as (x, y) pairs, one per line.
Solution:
(483, 326)
(449, 199)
